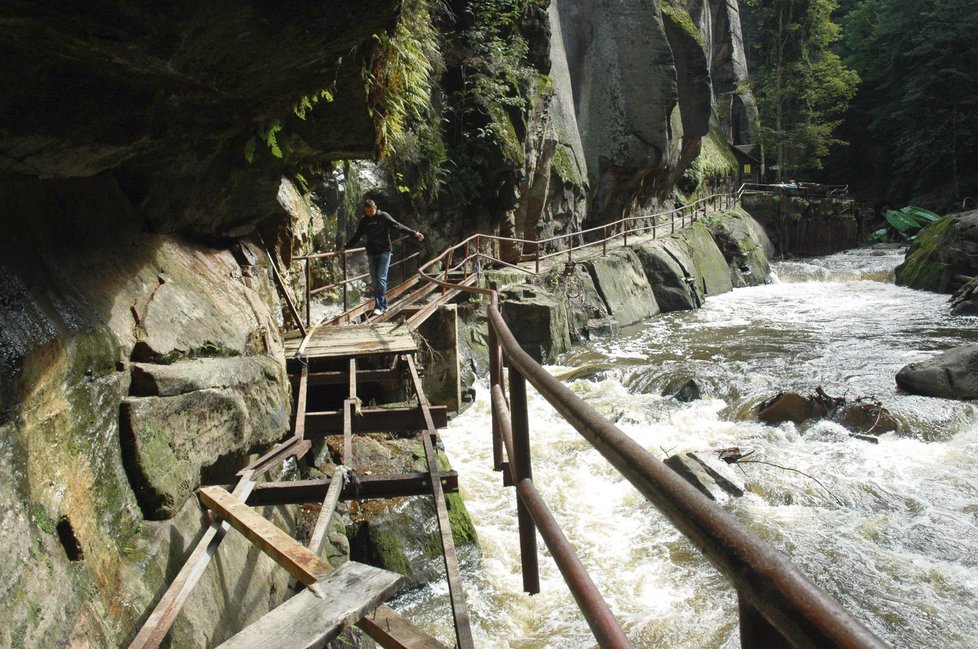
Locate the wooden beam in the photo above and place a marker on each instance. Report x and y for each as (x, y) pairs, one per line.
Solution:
(305, 621)
(286, 551)
(285, 293)
(292, 447)
(158, 623)
(342, 377)
(456, 596)
(360, 488)
(300, 402)
(373, 420)
(391, 631)
(328, 510)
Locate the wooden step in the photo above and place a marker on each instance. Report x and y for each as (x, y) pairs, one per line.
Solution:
(307, 621)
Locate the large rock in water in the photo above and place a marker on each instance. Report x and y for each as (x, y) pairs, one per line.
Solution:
(671, 275)
(713, 477)
(940, 252)
(951, 375)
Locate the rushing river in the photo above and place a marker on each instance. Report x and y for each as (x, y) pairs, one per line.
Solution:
(889, 529)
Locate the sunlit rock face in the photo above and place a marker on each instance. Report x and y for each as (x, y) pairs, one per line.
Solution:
(723, 42)
(166, 96)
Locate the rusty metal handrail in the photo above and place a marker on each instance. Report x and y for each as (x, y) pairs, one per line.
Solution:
(779, 606)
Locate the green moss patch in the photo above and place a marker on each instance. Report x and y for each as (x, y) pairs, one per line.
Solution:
(923, 269)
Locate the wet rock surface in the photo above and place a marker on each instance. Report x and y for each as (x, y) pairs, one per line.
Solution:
(713, 477)
(950, 375)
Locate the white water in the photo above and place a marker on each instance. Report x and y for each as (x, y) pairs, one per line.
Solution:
(891, 531)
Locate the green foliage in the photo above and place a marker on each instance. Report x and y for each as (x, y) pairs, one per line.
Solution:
(486, 108)
(715, 161)
(308, 102)
(801, 85)
(42, 520)
(919, 63)
(400, 74)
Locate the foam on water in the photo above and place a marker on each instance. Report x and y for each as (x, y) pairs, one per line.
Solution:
(891, 530)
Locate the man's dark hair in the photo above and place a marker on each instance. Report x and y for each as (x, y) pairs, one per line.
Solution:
(370, 203)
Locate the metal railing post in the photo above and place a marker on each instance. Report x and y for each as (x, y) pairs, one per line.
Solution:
(604, 241)
(308, 292)
(495, 378)
(538, 259)
(346, 303)
(626, 234)
(522, 471)
(755, 631)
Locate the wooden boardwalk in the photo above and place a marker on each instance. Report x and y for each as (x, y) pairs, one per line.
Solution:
(352, 341)
(328, 366)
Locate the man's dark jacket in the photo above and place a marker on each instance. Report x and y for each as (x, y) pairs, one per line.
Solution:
(378, 230)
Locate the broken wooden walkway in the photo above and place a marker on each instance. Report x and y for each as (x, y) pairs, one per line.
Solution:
(330, 365)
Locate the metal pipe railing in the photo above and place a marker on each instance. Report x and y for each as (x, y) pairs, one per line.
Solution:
(778, 605)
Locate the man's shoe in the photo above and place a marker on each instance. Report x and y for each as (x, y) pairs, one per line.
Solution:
(378, 311)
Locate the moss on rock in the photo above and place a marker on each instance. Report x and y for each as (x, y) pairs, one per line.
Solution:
(923, 268)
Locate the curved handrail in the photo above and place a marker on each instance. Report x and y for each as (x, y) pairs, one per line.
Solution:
(778, 603)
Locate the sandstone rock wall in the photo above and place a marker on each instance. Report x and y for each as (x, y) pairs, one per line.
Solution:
(131, 365)
(602, 293)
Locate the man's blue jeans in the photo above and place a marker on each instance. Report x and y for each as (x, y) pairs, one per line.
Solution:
(379, 264)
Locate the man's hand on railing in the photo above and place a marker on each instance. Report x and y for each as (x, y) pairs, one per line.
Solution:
(419, 236)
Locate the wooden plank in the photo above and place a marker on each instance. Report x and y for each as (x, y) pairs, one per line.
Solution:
(300, 402)
(292, 447)
(283, 287)
(456, 596)
(328, 510)
(305, 621)
(393, 485)
(286, 551)
(349, 407)
(373, 420)
(357, 340)
(158, 623)
(392, 631)
(343, 377)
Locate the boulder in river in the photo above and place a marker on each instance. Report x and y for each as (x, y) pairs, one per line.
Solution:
(951, 375)
(708, 474)
(786, 406)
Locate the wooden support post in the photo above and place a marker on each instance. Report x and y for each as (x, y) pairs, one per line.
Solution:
(308, 292)
(158, 623)
(297, 559)
(522, 469)
(463, 630)
(349, 407)
(328, 509)
(300, 402)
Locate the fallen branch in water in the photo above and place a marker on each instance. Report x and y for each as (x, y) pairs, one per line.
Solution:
(788, 468)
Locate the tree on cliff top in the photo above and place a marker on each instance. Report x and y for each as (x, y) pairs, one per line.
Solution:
(801, 85)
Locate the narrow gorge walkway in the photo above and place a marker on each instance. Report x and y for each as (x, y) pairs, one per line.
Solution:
(332, 370)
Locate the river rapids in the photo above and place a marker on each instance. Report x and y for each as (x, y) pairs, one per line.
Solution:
(888, 529)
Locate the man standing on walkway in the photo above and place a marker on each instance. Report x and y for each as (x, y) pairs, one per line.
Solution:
(377, 225)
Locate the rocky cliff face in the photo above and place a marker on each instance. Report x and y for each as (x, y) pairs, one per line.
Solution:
(140, 350)
(167, 97)
(136, 362)
(634, 83)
